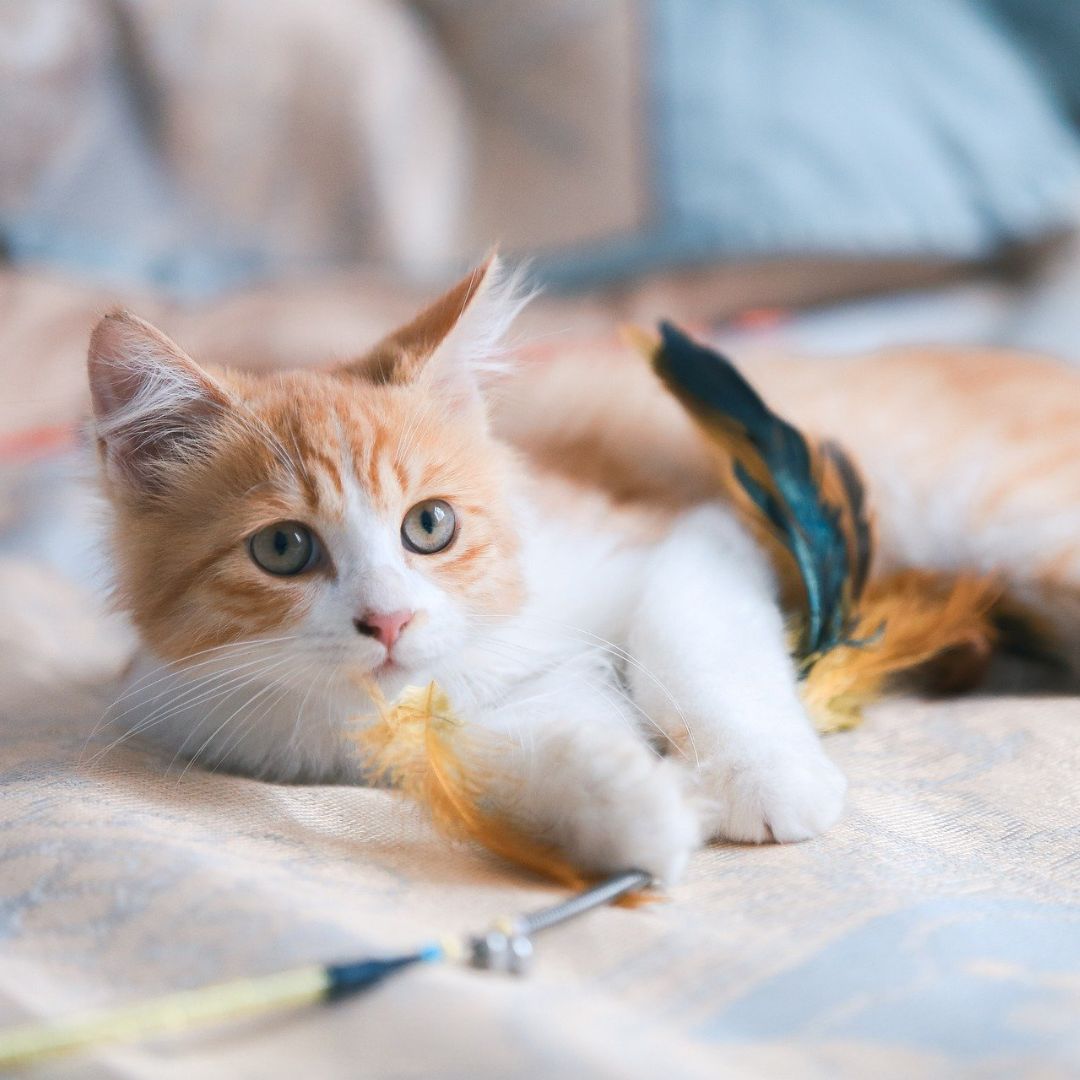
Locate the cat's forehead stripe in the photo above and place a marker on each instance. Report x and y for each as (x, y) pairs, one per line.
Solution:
(315, 470)
(380, 439)
(401, 474)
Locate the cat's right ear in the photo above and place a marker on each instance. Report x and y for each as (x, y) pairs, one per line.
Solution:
(455, 345)
(152, 404)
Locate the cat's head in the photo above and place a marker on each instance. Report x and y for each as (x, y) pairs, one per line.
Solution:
(356, 514)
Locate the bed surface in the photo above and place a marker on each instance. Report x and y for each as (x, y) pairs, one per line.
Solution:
(934, 932)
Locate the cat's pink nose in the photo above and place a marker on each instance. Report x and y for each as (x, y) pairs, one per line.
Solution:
(385, 628)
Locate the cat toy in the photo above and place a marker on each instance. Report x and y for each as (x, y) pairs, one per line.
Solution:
(506, 946)
(420, 747)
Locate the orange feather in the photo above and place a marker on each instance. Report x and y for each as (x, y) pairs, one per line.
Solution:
(932, 628)
(420, 747)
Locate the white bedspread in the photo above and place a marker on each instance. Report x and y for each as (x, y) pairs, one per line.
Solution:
(935, 932)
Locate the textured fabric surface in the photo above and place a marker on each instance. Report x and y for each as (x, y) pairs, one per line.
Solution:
(935, 931)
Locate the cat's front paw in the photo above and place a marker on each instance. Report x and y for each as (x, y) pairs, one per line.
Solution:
(630, 811)
(647, 827)
(790, 794)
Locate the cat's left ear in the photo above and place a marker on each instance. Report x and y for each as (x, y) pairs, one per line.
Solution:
(154, 408)
(455, 344)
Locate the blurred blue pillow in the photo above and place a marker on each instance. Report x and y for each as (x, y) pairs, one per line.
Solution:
(854, 128)
(745, 130)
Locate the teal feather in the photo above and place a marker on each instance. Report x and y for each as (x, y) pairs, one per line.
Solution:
(833, 569)
(855, 498)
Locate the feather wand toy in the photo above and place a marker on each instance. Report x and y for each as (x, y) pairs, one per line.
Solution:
(506, 946)
(419, 746)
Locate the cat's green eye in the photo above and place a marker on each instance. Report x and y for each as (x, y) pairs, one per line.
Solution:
(284, 548)
(428, 527)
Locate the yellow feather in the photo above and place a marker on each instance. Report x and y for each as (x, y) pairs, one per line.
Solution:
(935, 628)
(419, 746)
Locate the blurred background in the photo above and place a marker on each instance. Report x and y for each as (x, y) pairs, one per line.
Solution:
(279, 182)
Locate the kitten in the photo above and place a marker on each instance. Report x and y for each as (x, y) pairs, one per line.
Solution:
(274, 536)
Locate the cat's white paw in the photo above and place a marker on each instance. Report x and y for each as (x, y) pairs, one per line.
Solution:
(650, 826)
(630, 811)
(792, 793)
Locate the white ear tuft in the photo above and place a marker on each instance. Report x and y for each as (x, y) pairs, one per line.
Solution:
(456, 343)
(477, 341)
(152, 403)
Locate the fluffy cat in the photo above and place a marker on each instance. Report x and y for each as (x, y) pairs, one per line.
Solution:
(276, 535)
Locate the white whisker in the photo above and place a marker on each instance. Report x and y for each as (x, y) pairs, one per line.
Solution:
(282, 683)
(190, 696)
(186, 687)
(208, 717)
(184, 667)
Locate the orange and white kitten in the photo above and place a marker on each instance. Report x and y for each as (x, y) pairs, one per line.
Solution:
(275, 536)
